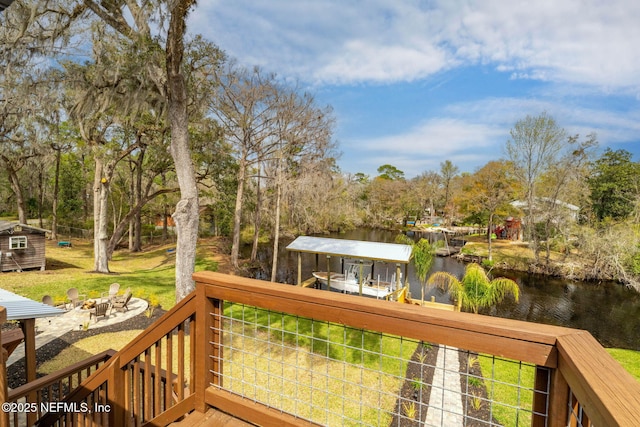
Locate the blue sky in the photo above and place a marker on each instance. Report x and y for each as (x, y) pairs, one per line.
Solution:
(415, 83)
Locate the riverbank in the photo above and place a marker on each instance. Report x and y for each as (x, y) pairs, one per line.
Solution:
(517, 256)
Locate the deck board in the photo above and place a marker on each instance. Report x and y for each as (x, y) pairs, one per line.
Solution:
(212, 417)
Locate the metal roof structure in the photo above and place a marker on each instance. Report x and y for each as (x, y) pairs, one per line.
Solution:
(19, 307)
(374, 251)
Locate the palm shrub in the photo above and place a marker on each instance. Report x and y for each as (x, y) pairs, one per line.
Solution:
(475, 290)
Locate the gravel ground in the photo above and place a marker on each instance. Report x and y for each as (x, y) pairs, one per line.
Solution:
(16, 372)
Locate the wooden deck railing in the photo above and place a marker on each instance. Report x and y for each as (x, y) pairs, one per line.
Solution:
(149, 382)
(176, 366)
(54, 387)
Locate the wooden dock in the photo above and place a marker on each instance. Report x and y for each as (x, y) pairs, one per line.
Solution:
(447, 251)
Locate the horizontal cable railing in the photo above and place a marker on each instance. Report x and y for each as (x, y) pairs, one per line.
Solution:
(300, 355)
(332, 374)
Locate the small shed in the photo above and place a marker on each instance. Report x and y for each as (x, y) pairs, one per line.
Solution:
(22, 247)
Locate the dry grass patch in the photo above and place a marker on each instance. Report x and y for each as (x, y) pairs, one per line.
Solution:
(87, 347)
(308, 385)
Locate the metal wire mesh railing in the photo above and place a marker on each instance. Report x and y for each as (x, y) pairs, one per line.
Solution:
(337, 375)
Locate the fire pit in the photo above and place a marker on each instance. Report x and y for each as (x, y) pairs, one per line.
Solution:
(88, 305)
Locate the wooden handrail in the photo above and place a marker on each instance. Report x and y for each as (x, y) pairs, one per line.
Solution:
(54, 377)
(606, 391)
(178, 314)
(528, 342)
(113, 368)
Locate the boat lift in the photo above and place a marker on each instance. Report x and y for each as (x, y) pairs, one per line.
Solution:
(372, 251)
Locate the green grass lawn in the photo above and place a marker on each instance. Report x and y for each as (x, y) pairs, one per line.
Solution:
(149, 274)
(504, 389)
(629, 359)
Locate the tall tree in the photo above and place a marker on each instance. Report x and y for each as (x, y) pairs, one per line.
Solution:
(300, 130)
(246, 108)
(614, 184)
(427, 185)
(390, 172)
(564, 183)
(448, 171)
(163, 67)
(535, 146)
(490, 190)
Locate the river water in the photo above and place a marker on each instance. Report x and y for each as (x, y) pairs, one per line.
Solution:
(610, 311)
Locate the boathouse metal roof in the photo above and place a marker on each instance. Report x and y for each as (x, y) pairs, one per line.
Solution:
(19, 307)
(375, 251)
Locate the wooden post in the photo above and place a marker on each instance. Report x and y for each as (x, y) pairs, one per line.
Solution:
(299, 269)
(29, 330)
(329, 272)
(4, 392)
(558, 400)
(206, 311)
(115, 397)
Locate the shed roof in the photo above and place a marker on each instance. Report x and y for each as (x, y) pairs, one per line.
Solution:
(19, 307)
(11, 226)
(375, 251)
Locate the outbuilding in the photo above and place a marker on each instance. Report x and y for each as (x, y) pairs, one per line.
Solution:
(22, 247)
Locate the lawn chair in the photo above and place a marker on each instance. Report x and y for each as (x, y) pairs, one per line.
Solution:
(47, 299)
(120, 302)
(114, 288)
(74, 298)
(101, 309)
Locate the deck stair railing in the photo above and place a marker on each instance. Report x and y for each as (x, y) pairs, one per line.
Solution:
(149, 382)
(273, 354)
(52, 388)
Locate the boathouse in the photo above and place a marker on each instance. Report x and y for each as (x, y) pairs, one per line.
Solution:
(22, 247)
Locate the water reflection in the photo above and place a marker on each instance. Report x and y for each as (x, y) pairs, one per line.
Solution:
(609, 311)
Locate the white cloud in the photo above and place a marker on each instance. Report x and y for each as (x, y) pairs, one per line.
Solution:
(580, 41)
(472, 133)
(424, 147)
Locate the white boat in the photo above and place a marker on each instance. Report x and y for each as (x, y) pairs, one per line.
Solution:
(357, 277)
(349, 282)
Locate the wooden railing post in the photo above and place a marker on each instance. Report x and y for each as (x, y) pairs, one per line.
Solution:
(558, 400)
(4, 393)
(115, 393)
(201, 337)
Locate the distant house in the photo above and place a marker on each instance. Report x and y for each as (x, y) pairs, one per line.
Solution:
(22, 247)
(544, 205)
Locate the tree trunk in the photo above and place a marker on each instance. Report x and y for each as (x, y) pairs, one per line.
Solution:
(41, 193)
(256, 223)
(137, 219)
(276, 226)
(85, 191)
(102, 235)
(132, 202)
(490, 233)
(96, 211)
(187, 212)
(56, 190)
(237, 215)
(14, 180)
